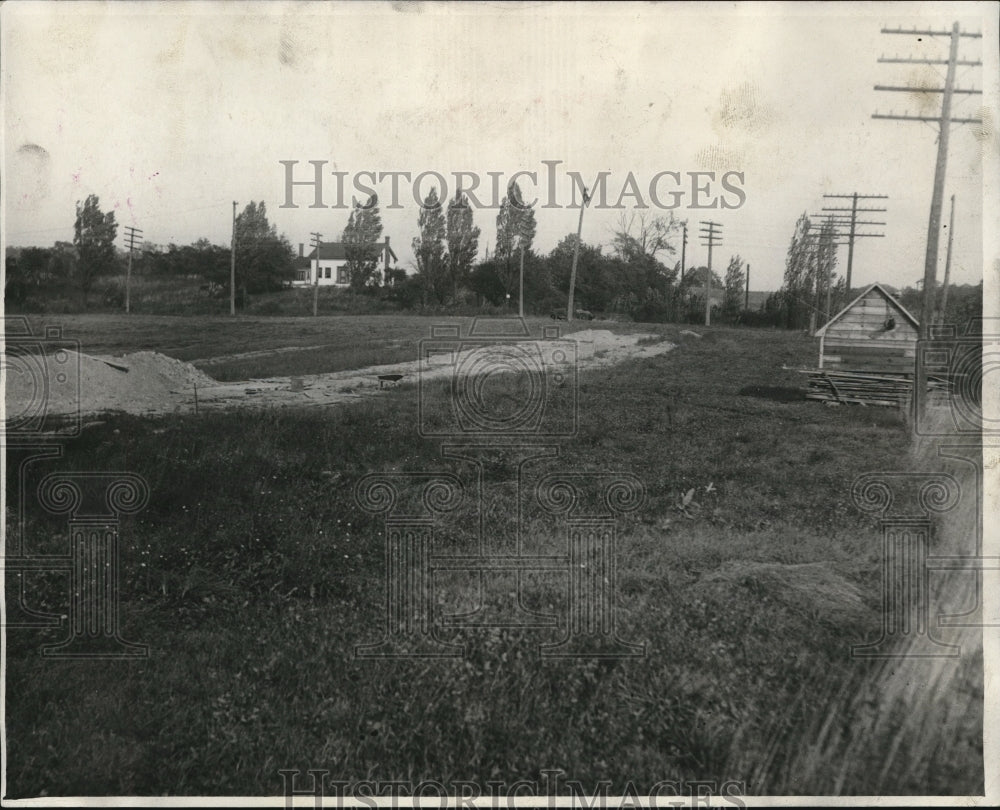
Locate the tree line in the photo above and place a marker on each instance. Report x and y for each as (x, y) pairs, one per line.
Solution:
(812, 291)
(636, 276)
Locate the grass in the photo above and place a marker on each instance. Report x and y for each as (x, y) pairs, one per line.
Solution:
(252, 574)
(248, 347)
(320, 360)
(188, 295)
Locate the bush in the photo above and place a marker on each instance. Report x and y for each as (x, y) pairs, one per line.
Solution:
(762, 318)
(113, 295)
(653, 312)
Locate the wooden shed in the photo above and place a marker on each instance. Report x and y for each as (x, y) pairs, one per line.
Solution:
(873, 334)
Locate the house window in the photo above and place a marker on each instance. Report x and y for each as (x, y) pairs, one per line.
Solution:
(328, 272)
(342, 275)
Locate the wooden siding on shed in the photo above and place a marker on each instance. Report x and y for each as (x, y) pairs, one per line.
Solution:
(859, 341)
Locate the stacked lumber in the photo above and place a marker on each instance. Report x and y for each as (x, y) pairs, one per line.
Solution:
(862, 388)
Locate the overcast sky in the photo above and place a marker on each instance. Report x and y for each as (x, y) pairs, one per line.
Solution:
(169, 112)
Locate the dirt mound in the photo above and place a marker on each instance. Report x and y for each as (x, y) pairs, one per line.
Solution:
(152, 383)
(144, 382)
(602, 338)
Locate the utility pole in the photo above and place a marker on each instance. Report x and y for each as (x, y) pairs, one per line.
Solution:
(520, 304)
(232, 266)
(829, 278)
(944, 122)
(576, 253)
(710, 237)
(133, 235)
(848, 217)
(814, 259)
(317, 241)
(684, 245)
(947, 263)
(746, 299)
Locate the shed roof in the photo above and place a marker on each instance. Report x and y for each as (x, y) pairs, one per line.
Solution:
(884, 293)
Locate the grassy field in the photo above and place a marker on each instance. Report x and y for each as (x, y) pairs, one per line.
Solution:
(252, 574)
(188, 296)
(248, 347)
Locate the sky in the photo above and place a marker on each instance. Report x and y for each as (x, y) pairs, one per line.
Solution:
(169, 112)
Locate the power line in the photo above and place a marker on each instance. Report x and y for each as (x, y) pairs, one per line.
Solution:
(937, 119)
(911, 61)
(892, 88)
(132, 235)
(944, 121)
(684, 245)
(317, 241)
(921, 33)
(710, 237)
(844, 216)
(576, 254)
(232, 266)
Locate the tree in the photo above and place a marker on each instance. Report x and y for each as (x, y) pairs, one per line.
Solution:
(463, 242)
(362, 248)
(41, 266)
(264, 260)
(645, 284)
(735, 287)
(485, 282)
(694, 281)
(428, 248)
(796, 289)
(515, 232)
(595, 288)
(15, 280)
(965, 302)
(809, 272)
(638, 237)
(202, 258)
(94, 238)
(826, 264)
(691, 292)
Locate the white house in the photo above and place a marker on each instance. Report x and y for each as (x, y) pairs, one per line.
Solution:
(332, 265)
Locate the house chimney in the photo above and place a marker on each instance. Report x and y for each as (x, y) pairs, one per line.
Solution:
(301, 249)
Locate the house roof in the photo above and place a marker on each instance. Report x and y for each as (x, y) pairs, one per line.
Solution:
(884, 293)
(329, 250)
(337, 251)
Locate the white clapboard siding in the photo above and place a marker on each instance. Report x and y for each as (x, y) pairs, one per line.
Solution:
(856, 338)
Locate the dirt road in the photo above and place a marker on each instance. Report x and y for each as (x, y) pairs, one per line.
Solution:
(151, 383)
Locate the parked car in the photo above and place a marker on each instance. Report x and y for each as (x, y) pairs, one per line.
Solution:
(584, 315)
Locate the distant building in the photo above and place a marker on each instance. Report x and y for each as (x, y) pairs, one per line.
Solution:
(756, 299)
(331, 264)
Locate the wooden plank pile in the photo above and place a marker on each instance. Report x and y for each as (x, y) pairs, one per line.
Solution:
(861, 388)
